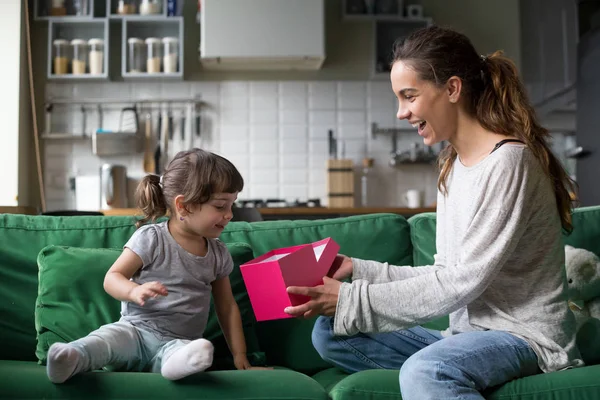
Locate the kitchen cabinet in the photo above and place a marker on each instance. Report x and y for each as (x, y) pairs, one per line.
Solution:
(549, 36)
(385, 34)
(267, 35)
(144, 19)
(391, 20)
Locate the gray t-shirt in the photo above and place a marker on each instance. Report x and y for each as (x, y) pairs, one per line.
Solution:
(499, 264)
(183, 313)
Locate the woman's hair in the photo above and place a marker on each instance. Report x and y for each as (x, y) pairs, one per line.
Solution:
(196, 174)
(494, 96)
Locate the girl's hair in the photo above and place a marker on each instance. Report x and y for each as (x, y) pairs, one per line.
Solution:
(196, 174)
(494, 96)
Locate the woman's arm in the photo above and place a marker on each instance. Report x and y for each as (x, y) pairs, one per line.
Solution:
(377, 272)
(366, 307)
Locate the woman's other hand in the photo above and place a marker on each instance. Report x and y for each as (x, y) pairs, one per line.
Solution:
(341, 268)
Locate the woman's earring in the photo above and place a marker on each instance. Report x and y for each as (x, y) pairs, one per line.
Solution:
(181, 218)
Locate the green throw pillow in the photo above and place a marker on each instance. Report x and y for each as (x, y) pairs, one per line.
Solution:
(72, 302)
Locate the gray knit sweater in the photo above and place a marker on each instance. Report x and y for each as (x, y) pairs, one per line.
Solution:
(499, 264)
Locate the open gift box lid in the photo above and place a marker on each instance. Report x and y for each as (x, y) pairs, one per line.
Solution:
(268, 276)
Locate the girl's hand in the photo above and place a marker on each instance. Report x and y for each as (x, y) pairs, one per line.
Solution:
(323, 301)
(241, 362)
(148, 290)
(341, 268)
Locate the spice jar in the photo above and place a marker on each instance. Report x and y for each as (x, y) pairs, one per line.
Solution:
(61, 57)
(96, 57)
(127, 7)
(170, 54)
(148, 7)
(136, 55)
(153, 55)
(79, 48)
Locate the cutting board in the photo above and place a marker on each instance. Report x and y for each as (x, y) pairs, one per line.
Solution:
(340, 183)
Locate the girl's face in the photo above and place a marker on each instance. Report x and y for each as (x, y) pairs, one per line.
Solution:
(427, 107)
(210, 218)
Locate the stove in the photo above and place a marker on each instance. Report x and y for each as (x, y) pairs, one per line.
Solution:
(247, 203)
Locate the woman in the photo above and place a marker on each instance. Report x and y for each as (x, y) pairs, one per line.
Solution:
(502, 200)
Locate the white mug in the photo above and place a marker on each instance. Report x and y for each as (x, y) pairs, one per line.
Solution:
(413, 198)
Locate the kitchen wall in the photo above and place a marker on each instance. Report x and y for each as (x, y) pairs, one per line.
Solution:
(273, 125)
(275, 132)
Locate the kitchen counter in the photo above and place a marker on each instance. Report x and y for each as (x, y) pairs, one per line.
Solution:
(270, 213)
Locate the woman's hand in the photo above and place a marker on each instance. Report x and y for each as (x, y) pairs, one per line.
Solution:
(323, 301)
(341, 268)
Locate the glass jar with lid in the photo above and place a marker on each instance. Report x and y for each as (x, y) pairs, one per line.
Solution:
(150, 7)
(136, 55)
(170, 54)
(96, 58)
(153, 55)
(126, 7)
(61, 56)
(57, 8)
(79, 48)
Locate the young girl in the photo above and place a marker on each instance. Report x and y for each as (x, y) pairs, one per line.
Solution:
(499, 269)
(165, 276)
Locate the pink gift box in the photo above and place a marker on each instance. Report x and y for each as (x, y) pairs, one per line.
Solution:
(268, 276)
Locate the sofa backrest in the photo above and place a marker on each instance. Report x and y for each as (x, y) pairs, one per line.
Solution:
(380, 237)
(383, 237)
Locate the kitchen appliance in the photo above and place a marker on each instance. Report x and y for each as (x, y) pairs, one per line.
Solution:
(113, 186)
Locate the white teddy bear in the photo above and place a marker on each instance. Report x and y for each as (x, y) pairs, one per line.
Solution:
(583, 276)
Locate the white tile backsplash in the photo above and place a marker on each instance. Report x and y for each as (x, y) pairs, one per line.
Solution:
(274, 132)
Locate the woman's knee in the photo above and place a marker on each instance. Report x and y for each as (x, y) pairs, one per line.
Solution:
(414, 369)
(322, 337)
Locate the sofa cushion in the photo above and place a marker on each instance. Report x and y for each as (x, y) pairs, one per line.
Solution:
(29, 381)
(380, 237)
(21, 239)
(574, 384)
(72, 302)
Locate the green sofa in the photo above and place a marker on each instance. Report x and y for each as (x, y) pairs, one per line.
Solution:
(51, 289)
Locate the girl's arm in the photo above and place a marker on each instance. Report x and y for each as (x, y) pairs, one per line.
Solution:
(117, 281)
(230, 320)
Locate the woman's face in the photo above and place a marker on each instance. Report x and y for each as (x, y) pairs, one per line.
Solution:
(429, 108)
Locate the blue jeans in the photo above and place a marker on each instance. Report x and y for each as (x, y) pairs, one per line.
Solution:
(431, 366)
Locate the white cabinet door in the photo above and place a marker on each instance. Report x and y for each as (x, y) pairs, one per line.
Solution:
(262, 28)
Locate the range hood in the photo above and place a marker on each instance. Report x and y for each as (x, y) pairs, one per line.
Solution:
(262, 34)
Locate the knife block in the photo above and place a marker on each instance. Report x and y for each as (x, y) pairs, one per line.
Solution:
(340, 183)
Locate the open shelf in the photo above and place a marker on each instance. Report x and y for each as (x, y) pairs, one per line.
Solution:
(77, 29)
(143, 28)
(92, 8)
(112, 10)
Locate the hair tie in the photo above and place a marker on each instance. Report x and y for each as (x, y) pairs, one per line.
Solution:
(160, 181)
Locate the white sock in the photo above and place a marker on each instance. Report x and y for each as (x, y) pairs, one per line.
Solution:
(63, 361)
(194, 357)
